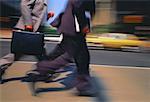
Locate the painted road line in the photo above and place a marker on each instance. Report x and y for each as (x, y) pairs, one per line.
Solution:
(113, 66)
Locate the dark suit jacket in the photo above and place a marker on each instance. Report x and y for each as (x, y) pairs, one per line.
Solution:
(75, 8)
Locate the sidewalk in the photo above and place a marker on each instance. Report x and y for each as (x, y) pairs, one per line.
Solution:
(113, 84)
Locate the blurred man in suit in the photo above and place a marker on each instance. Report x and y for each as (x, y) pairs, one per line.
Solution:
(73, 23)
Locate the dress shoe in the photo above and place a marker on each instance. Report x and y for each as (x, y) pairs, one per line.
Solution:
(85, 87)
(35, 76)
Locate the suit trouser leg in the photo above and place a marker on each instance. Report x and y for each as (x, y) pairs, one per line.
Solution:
(58, 58)
(57, 51)
(77, 47)
(74, 46)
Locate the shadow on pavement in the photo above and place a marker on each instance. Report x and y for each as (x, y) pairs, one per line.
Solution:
(68, 82)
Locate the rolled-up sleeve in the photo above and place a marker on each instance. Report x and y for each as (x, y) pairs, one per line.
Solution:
(26, 10)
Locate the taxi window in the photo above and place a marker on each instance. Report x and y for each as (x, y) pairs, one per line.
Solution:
(121, 36)
(118, 36)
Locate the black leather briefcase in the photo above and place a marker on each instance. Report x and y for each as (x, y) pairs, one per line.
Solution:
(30, 43)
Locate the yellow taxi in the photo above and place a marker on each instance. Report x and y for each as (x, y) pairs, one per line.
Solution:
(126, 42)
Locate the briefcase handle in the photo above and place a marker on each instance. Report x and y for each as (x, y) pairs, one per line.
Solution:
(24, 31)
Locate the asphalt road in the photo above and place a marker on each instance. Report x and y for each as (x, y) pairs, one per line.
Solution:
(100, 57)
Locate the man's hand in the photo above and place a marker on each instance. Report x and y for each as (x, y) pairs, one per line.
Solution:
(86, 29)
(50, 14)
(29, 28)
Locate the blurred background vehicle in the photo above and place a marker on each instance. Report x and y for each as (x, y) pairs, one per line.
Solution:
(125, 42)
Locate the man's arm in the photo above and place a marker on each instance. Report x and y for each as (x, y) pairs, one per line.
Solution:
(86, 5)
(90, 6)
(80, 6)
(26, 11)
